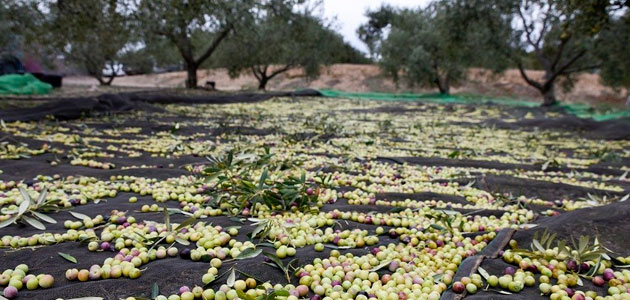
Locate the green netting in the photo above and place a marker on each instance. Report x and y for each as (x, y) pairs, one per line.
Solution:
(578, 109)
(25, 84)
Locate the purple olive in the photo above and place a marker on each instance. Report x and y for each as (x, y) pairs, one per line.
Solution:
(105, 246)
(185, 253)
(10, 292)
(458, 287)
(598, 281)
(393, 266)
(509, 271)
(572, 266)
(184, 289)
(608, 274)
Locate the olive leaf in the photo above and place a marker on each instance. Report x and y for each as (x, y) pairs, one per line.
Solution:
(483, 273)
(277, 263)
(44, 217)
(248, 253)
(33, 222)
(231, 279)
(79, 216)
(155, 291)
(244, 296)
(383, 264)
(68, 257)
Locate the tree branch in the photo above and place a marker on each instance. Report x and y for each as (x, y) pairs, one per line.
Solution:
(526, 78)
(213, 46)
(253, 68)
(279, 71)
(564, 68)
(556, 60)
(580, 69)
(528, 33)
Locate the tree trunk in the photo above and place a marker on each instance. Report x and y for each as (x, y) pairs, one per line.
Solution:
(102, 81)
(262, 83)
(191, 76)
(549, 96)
(443, 85)
(548, 90)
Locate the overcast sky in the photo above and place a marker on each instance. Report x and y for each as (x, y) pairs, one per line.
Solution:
(349, 15)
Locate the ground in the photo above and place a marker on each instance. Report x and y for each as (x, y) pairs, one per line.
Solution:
(367, 78)
(406, 197)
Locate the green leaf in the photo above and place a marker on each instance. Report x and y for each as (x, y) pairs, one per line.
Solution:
(155, 291)
(235, 219)
(226, 229)
(182, 241)
(385, 263)
(275, 259)
(34, 222)
(42, 196)
(538, 246)
(262, 179)
(25, 196)
(79, 216)
(258, 229)
(167, 219)
(275, 294)
(68, 257)
(583, 243)
(24, 207)
(231, 279)
(248, 253)
(244, 296)
(185, 223)
(483, 273)
(8, 221)
(332, 246)
(437, 227)
(44, 217)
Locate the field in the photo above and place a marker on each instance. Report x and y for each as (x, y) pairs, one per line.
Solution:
(154, 196)
(368, 78)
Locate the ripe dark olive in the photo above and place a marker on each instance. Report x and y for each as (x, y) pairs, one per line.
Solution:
(598, 281)
(509, 271)
(458, 287)
(572, 266)
(185, 253)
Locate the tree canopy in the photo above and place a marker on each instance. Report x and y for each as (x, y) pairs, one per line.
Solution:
(281, 37)
(195, 27)
(426, 46)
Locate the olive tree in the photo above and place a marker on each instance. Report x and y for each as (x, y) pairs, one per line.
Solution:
(195, 27)
(425, 46)
(560, 35)
(614, 54)
(278, 38)
(90, 34)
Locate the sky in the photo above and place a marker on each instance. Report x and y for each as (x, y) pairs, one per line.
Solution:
(350, 14)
